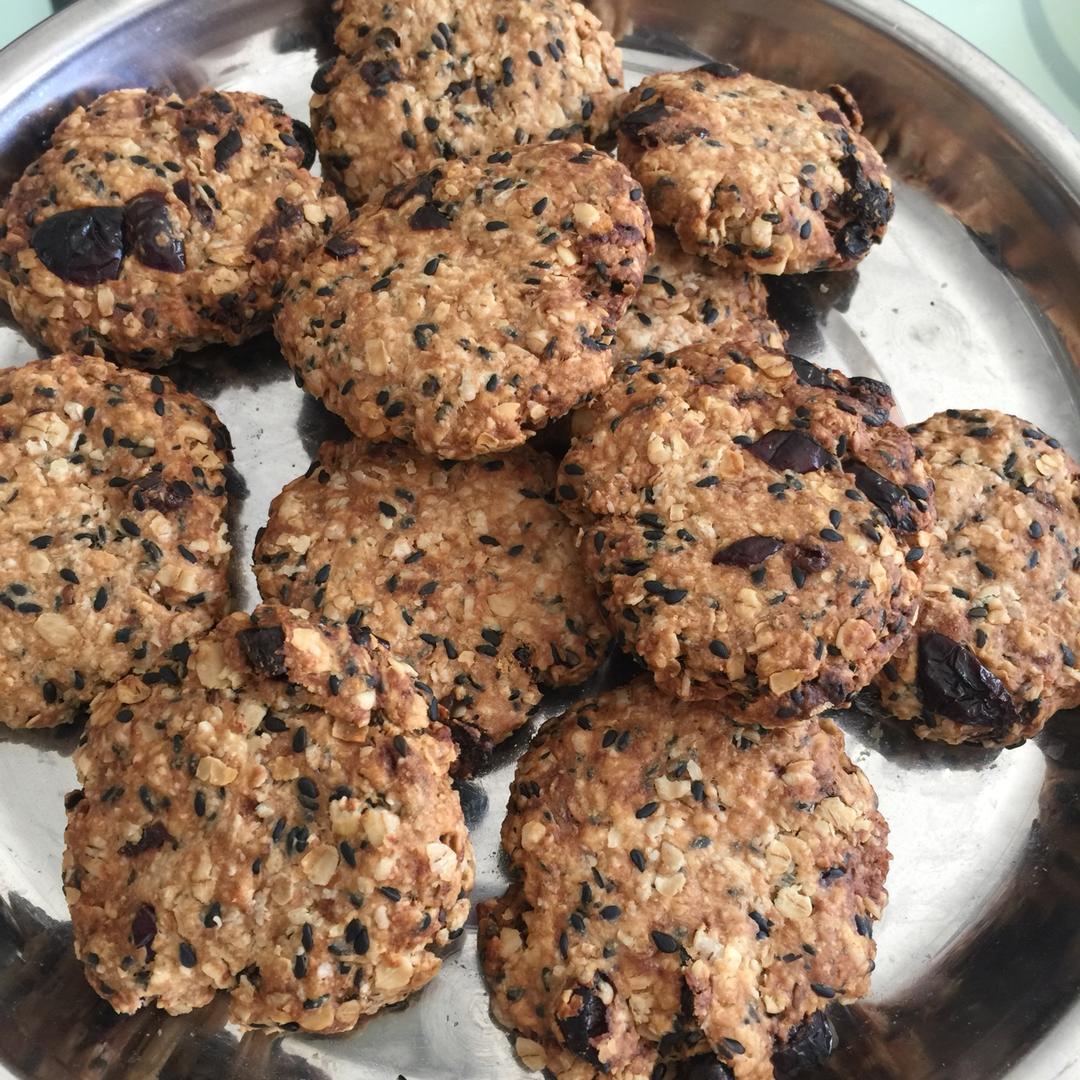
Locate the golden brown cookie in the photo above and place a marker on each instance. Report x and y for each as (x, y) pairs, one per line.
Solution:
(271, 816)
(755, 175)
(687, 895)
(475, 304)
(155, 224)
(113, 532)
(425, 82)
(466, 569)
(753, 524)
(994, 653)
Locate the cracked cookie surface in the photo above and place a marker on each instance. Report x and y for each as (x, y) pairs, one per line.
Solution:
(753, 524)
(466, 569)
(688, 894)
(113, 531)
(994, 652)
(753, 174)
(425, 82)
(155, 224)
(475, 304)
(271, 816)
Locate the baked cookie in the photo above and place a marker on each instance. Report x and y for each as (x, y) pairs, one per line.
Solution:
(994, 652)
(755, 175)
(467, 570)
(424, 82)
(475, 304)
(155, 224)
(271, 815)
(113, 533)
(753, 524)
(687, 896)
(684, 300)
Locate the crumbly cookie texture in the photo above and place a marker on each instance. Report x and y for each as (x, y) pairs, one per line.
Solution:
(113, 533)
(994, 654)
(753, 524)
(155, 224)
(466, 569)
(272, 816)
(424, 82)
(475, 304)
(755, 175)
(688, 894)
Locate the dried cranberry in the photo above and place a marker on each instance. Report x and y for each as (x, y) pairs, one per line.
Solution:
(85, 246)
(748, 552)
(153, 836)
(149, 234)
(807, 1046)
(954, 684)
(590, 1022)
(792, 450)
(890, 499)
(144, 926)
(306, 141)
(264, 647)
(428, 217)
(703, 1067)
(811, 559)
(633, 124)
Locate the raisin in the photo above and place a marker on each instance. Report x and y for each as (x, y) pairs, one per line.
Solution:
(792, 450)
(378, 73)
(703, 1067)
(748, 552)
(230, 143)
(720, 70)
(812, 375)
(319, 84)
(340, 246)
(807, 1046)
(84, 246)
(306, 141)
(162, 496)
(264, 647)
(183, 190)
(955, 684)
(590, 1022)
(149, 234)
(153, 836)
(811, 559)
(144, 926)
(890, 499)
(633, 124)
(427, 218)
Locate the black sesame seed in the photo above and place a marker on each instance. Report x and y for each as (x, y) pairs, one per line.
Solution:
(187, 955)
(647, 810)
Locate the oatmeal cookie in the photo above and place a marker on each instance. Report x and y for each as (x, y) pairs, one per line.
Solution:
(755, 175)
(467, 570)
(753, 524)
(994, 654)
(271, 815)
(423, 82)
(684, 300)
(155, 224)
(475, 304)
(113, 533)
(687, 895)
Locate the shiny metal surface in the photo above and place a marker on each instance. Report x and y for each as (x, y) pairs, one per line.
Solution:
(979, 961)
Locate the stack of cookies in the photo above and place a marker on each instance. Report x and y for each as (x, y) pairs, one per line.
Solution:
(266, 803)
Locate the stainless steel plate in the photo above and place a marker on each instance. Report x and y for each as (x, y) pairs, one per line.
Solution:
(979, 960)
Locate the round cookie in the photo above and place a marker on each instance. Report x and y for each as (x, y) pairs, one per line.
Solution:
(994, 654)
(113, 533)
(155, 224)
(273, 817)
(753, 524)
(476, 304)
(421, 83)
(687, 895)
(684, 300)
(467, 570)
(755, 175)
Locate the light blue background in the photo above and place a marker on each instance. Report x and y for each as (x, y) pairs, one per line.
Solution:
(1037, 40)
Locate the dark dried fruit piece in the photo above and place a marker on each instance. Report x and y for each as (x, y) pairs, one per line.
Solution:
(306, 141)
(590, 1022)
(807, 1046)
(720, 70)
(703, 1067)
(85, 246)
(748, 552)
(954, 684)
(149, 235)
(812, 375)
(792, 450)
(633, 124)
(319, 83)
(890, 499)
(378, 73)
(162, 496)
(153, 836)
(428, 217)
(340, 246)
(811, 559)
(144, 926)
(264, 647)
(183, 190)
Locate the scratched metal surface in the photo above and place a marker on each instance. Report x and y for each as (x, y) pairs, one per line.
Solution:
(979, 953)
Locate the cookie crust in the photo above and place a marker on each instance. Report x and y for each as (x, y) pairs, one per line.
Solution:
(273, 817)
